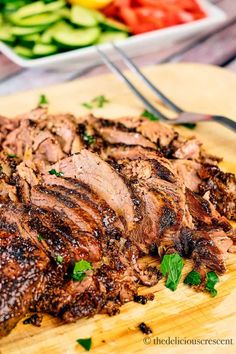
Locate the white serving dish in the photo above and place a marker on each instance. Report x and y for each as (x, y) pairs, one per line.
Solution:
(143, 43)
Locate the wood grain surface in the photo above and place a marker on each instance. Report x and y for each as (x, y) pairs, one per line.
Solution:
(184, 313)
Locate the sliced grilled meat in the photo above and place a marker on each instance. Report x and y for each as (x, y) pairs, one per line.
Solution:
(118, 134)
(60, 201)
(203, 214)
(162, 201)
(21, 278)
(89, 168)
(220, 188)
(62, 237)
(97, 207)
(22, 268)
(127, 152)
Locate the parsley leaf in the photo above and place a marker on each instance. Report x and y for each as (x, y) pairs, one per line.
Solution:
(40, 237)
(42, 100)
(211, 280)
(189, 125)
(149, 115)
(193, 278)
(11, 155)
(54, 172)
(59, 259)
(80, 268)
(171, 266)
(87, 105)
(100, 101)
(89, 139)
(85, 343)
(96, 102)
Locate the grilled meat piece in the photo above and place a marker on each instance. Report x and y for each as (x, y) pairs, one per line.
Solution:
(220, 188)
(121, 189)
(89, 168)
(22, 267)
(118, 133)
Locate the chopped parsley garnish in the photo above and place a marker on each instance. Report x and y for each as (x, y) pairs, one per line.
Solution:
(171, 267)
(54, 172)
(100, 101)
(87, 105)
(193, 278)
(86, 343)
(11, 155)
(42, 100)
(89, 139)
(96, 102)
(40, 237)
(211, 280)
(149, 115)
(189, 125)
(59, 259)
(80, 268)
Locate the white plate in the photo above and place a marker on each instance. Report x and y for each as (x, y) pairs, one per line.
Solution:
(147, 42)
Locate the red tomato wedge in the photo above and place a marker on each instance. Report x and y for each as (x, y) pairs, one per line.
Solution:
(148, 15)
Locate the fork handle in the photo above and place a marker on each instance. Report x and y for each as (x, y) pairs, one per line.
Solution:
(229, 123)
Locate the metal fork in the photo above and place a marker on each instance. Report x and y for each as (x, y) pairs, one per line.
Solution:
(183, 117)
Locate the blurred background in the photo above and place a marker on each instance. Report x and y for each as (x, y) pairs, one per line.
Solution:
(49, 42)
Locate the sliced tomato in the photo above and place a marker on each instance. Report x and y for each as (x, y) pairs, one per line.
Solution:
(130, 17)
(147, 15)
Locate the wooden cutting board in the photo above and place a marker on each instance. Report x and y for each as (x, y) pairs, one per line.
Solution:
(183, 314)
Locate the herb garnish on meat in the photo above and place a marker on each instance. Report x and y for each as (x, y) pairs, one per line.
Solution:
(89, 139)
(59, 259)
(80, 268)
(171, 266)
(40, 237)
(211, 280)
(193, 278)
(149, 115)
(54, 172)
(11, 155)
(86, 343)
(43, 100)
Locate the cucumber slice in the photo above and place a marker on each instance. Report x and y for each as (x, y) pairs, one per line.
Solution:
(41, 50)
(65, 13)
(31, 37)
(55, 5)
(36, 20)
(47, 35)
(22, 31)
(112, 36)
(38, 7)
(98, 15)
(114, 25)
(83, 17)
(11, 6)
(24, 52)
(30, 40)
(72, 38)
(6, 35)
(31, 9)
